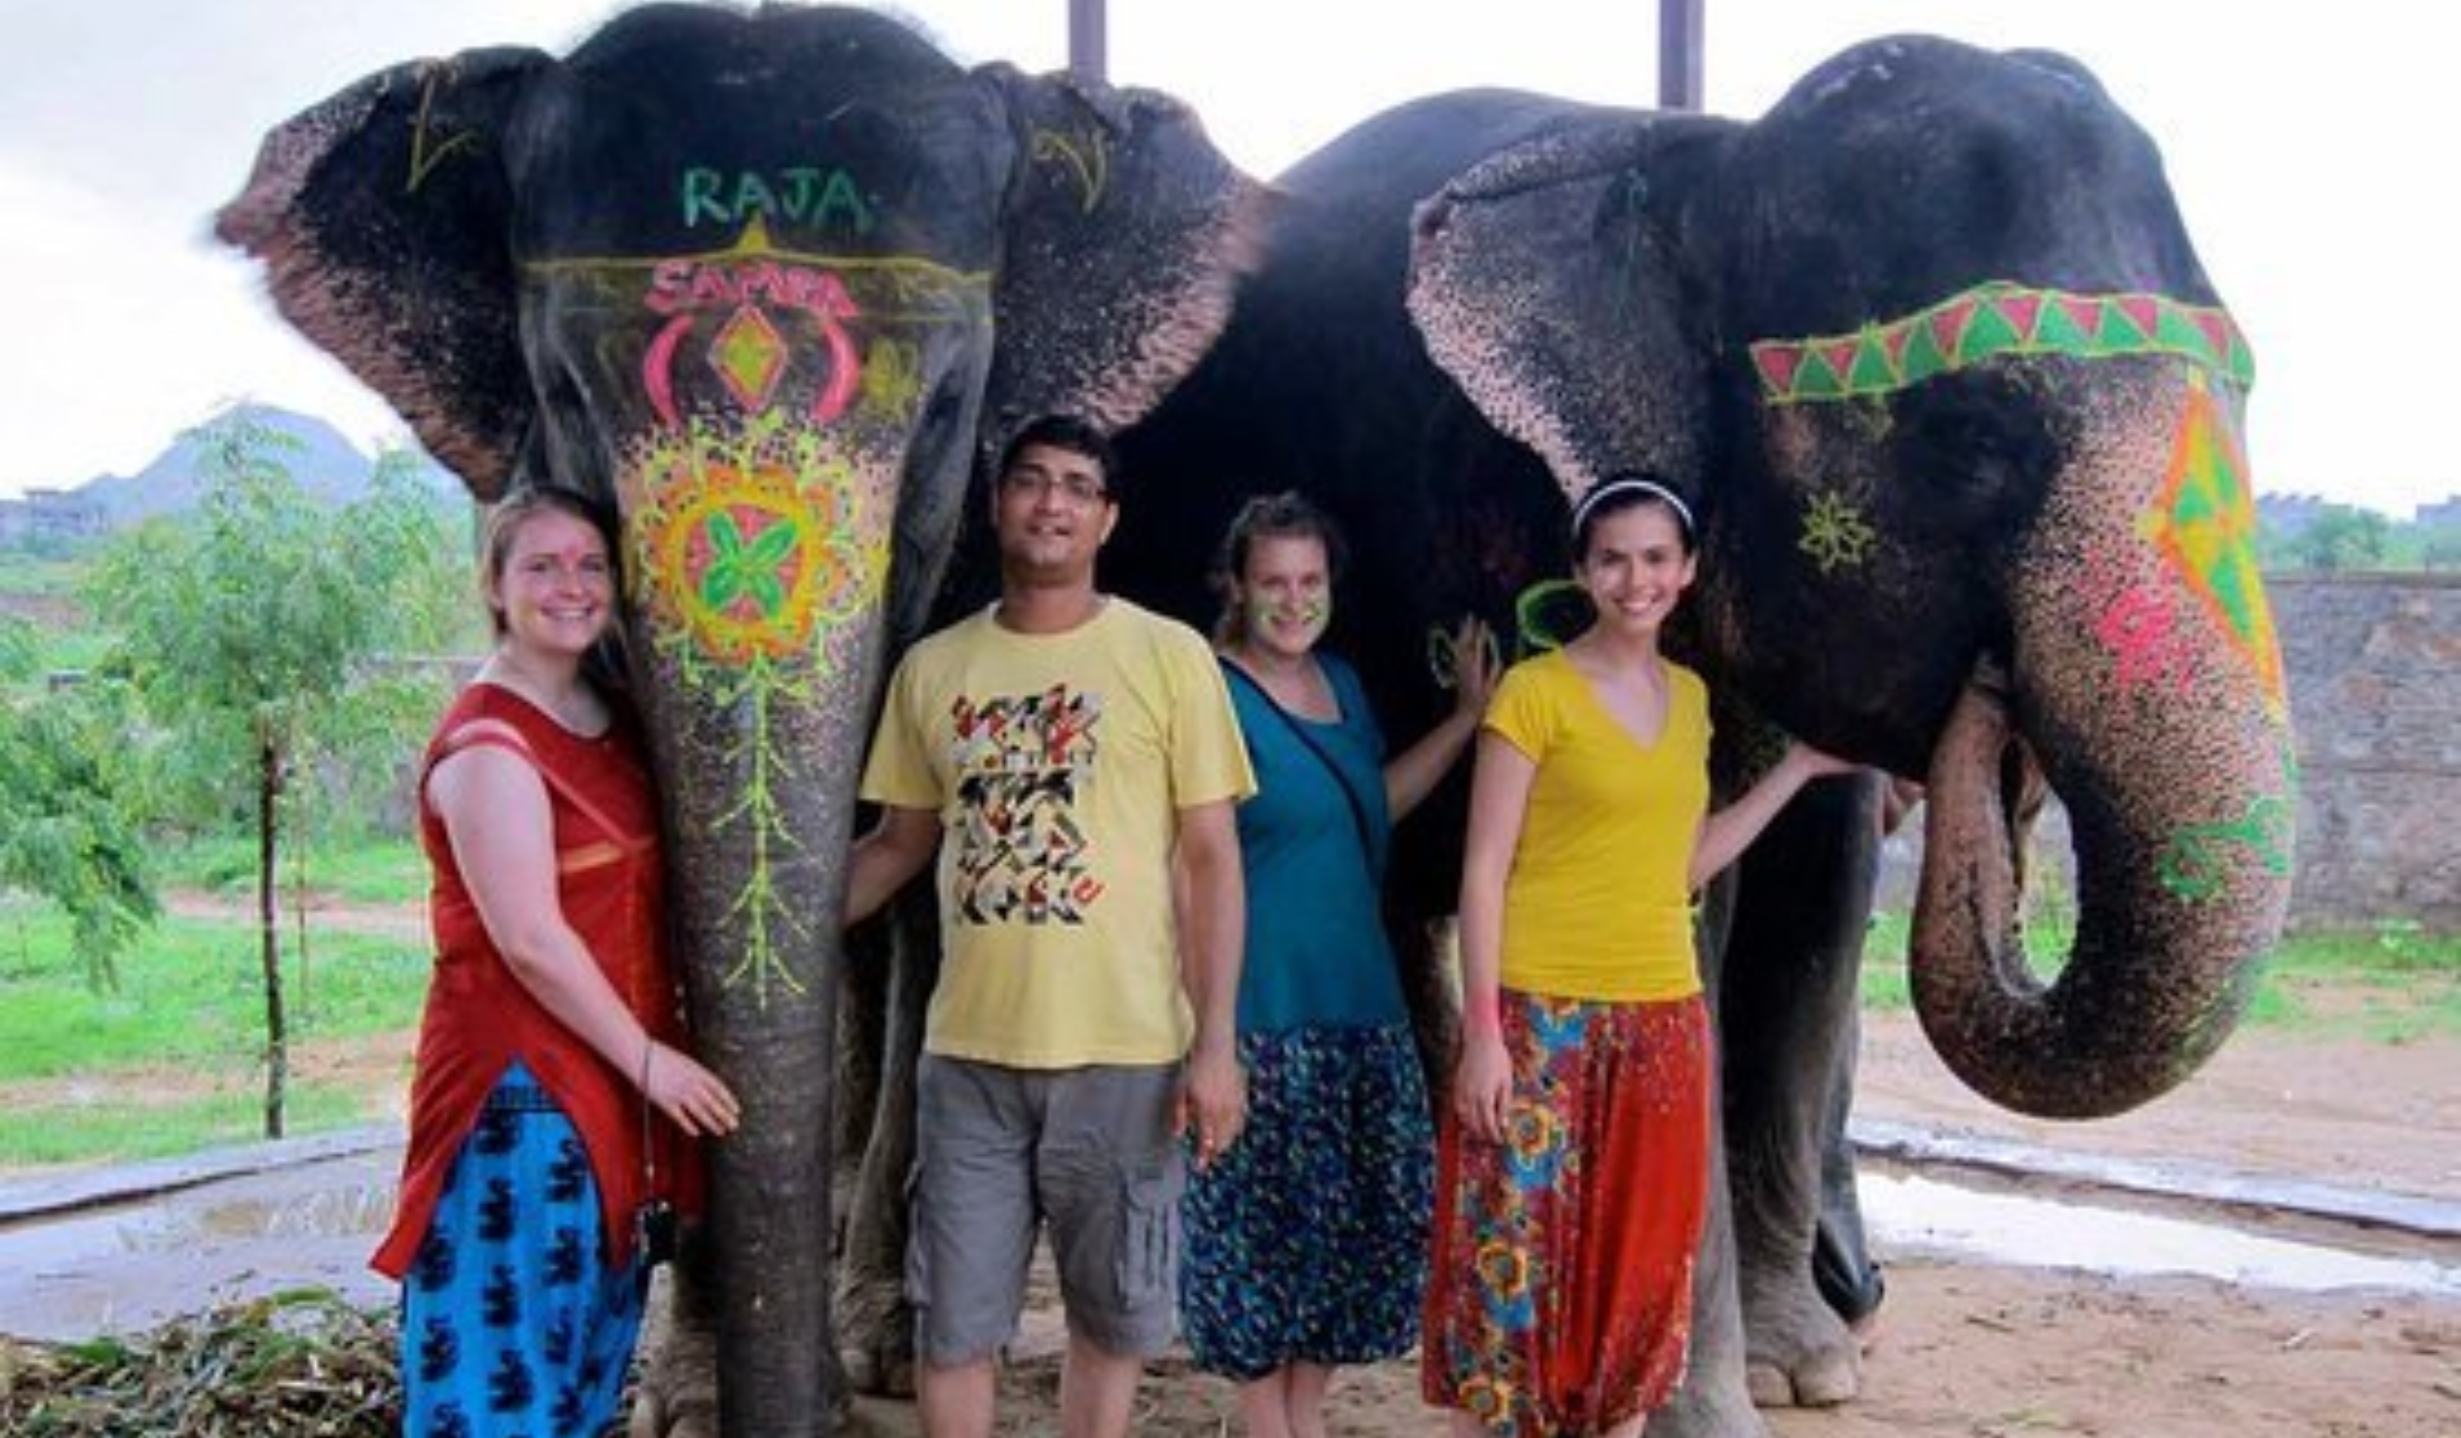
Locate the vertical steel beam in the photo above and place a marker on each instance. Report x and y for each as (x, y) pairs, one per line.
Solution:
(1089, 40)
(1680, 49)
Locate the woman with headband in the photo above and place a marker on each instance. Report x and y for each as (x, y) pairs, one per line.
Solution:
(1572, 1171)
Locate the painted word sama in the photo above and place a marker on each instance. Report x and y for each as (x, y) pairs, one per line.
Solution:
(680, 286)
(749, 352)
(805, 195)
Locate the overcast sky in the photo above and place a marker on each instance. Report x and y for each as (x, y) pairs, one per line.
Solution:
(2301, 140)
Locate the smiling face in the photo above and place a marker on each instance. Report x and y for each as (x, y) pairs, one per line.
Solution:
(1052, 510)
(551, 583)
(1634, 568)
(1285, 594)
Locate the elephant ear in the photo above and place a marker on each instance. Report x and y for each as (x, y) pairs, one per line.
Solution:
(383, 220)
(1125, 237)
(1548, 281)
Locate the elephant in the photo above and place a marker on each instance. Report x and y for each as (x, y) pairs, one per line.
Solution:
(1929, 352)
(774, 284)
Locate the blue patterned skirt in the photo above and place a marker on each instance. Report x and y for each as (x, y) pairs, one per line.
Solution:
(1307, 1242)
(513, 1322)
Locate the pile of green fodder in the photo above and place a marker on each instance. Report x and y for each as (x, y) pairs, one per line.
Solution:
(303, 1364)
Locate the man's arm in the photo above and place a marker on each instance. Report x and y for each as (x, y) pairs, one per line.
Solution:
(884, 860)
(1213, 934)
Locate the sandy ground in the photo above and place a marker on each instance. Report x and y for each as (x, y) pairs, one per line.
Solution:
(1968, 1349)
(1972, 1350)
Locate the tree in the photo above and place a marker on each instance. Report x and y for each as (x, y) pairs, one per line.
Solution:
(2440, 547)
(21, 651)
(2342, 537)
(250, 631)
(67, 828)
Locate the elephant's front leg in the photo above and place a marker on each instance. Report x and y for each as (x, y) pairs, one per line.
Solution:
(1713, 1401)
(1788, 1029)
(876, 1326)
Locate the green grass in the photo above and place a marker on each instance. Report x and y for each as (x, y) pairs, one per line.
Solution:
(76, 649)
(2392, 984)
(185, 1029)
(84, 1132)
(189, 992)
(47, 575)
(381, 870)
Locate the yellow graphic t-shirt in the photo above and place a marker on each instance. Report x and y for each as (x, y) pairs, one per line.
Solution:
(1058, 764)
(1596, 905)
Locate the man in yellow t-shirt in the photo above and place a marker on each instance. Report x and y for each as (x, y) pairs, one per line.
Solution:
(1059, 752)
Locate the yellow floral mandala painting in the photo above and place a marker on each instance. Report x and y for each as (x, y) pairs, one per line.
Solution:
(752, 559)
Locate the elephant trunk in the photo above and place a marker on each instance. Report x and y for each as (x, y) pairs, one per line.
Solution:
(761, 805)
(2146, 680)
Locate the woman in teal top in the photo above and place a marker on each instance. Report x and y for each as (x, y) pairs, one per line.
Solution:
(1306, 1242)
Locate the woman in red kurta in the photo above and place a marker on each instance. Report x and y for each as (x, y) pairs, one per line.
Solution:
(552, 1102)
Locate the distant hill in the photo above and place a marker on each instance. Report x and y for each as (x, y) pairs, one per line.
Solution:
(325, 464)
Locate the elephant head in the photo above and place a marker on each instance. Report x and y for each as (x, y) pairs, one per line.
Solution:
(771, 282)
(1930, 348)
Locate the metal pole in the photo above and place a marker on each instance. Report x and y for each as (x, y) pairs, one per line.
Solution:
(1680, 29)
(1089, 42)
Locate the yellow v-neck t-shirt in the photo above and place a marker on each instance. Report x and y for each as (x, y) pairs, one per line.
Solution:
(1596, 905)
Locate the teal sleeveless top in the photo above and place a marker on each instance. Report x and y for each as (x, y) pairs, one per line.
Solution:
(1317, 954)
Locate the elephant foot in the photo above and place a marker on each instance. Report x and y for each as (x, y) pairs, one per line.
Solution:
(677, 1396)
(878, 1375)
(652, 1417)
(876, 1337)
(1824, 1380)
(1797, 1352)
(1707, 1409)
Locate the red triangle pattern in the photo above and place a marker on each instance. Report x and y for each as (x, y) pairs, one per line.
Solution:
(2085, 312)
(1777, 364)
(2021, 311)
(1875, 358)
(1948, 327)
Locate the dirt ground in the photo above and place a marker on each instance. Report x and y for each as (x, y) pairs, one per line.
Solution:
(1974, 1350)
(1968, 1350)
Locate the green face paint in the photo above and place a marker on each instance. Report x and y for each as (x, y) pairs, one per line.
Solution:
(1264, 613)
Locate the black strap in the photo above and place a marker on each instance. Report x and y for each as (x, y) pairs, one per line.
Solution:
(1341, 777)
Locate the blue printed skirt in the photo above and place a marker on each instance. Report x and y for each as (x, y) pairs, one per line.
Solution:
(513, 1322)
(1307, 1242)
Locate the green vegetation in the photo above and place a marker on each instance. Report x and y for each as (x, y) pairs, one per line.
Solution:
(118, 1076)
(44, 568)
(247, 637)
(370, 868)
(77, 1132)
(2394, 984)
(70, 831)
(186, 996)
(236, 729)
(296, 1363)
(2342, 538)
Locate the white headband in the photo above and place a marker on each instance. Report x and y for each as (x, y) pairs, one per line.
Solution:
(1631, 484)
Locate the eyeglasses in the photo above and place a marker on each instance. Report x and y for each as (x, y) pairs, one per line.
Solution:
(1077, 489)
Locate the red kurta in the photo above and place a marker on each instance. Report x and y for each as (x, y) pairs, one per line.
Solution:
(479, 1019)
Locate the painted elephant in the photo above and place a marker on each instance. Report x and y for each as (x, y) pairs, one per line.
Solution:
(1930, 352)
(772, 282)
